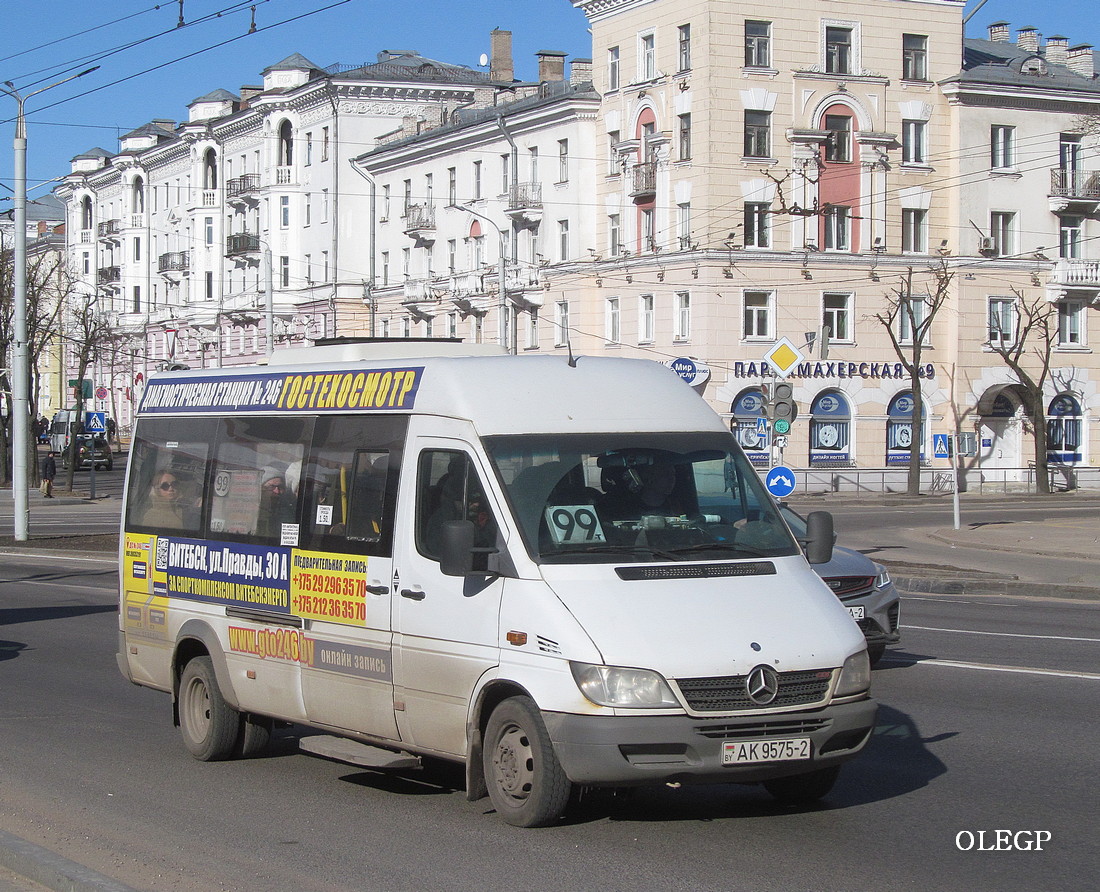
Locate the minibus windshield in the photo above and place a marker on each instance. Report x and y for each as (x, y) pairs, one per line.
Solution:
(637, 497)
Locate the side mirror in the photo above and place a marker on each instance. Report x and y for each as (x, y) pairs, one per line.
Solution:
(819, 537)
(456, 548)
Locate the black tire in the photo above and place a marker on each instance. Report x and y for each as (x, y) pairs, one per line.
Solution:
(110, 465)
(255, 735)
(875, 652)
(209, 725)
(527, 785)
(803, 789)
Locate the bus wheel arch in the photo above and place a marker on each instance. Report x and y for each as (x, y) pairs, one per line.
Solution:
(488, 698)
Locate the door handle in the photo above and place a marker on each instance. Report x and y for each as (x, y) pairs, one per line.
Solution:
(378, 589)
(412, 594)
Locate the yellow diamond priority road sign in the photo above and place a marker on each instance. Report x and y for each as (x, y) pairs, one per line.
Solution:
(784, 357)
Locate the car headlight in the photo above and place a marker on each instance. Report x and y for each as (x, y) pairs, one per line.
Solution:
(622, 687)
(855, 676)
(883, 578)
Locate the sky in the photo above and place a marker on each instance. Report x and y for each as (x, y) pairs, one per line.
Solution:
(150, 67)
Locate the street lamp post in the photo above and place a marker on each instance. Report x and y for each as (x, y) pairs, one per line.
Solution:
(20, 354)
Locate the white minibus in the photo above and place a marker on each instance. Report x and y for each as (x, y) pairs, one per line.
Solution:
(561, 573)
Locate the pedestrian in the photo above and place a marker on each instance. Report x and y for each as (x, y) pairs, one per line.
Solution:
(49, 471)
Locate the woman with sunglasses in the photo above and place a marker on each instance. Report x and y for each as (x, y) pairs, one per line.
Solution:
(165, 508)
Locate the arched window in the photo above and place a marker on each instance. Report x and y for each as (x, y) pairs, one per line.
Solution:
(286, 144)
(830, 428)
(899, 429)
(1064, 429)
(210, 170)
(86, 213)
(747, 427)
(137, 196)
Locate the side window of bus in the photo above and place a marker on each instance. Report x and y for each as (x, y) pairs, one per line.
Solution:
(448, 488)
(350, 484)
(256, 473)
(167, 470)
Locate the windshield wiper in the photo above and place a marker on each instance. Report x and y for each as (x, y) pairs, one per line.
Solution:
(722, 546)
(624, 549)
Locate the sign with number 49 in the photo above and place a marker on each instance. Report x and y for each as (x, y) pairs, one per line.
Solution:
(574, 524)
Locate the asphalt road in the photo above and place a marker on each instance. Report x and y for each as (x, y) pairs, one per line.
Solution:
(988, 722)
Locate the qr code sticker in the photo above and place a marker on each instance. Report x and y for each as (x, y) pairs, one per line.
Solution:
(162, 553)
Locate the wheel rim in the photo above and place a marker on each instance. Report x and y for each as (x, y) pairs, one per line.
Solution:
(513, 763)
(197, 709)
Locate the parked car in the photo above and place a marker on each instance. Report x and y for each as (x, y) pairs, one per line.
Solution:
(862, 585)
(89, 445)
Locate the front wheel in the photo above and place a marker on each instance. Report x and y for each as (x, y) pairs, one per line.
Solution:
(209, 725)
(803, 789)
(527, 785)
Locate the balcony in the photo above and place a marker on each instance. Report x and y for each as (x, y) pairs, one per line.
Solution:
(420, 222)
(108, 230)
(1074, 190)
(284, 175)
(1081, 277)
(643, 186)
(525, 202)
(137, 221)
(87, 236)
(209, 198)
(243, 188)
(242, 243)
(109, 275)
(174, 262)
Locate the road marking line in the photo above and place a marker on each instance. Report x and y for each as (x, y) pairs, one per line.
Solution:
(1004, 634)
(1018, 670)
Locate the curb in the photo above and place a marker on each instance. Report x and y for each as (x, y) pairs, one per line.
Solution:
(52, 871)
(932, 585)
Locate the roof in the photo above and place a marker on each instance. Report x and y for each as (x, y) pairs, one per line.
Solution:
(292, 62)
(409, 65)
(97, 152)
(151, 129)
(218, 95)
(1000, 63)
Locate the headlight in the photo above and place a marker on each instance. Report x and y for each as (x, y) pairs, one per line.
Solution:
(883, 579)
(855, 676)
(618, 686)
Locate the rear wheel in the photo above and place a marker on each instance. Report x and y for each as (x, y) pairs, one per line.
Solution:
(803, 789)
(209, 725)
(527, 785)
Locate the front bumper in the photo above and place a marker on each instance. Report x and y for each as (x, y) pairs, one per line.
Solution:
(626, 751)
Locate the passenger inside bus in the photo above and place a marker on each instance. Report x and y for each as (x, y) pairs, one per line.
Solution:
(165, 504)
(276, 503)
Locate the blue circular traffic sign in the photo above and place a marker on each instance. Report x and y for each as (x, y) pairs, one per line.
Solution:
(780, 481)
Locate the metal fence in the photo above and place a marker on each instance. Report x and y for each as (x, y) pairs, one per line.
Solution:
(978, 480)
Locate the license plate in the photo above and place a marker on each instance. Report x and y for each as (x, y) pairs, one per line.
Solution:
(856, 612)
(747, 752)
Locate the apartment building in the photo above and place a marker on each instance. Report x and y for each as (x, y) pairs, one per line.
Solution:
(772, 176)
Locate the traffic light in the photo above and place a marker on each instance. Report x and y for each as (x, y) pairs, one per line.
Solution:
(765, 401)
(783, 407)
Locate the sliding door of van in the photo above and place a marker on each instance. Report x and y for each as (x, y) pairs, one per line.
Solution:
(445, 627)
(342, 572)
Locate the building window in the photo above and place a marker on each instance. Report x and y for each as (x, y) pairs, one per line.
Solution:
(838, 147)
(385, 267)
(1002, 321)
(758, 138)
(838, 223)
(838, 50)
(914, 57)
(1069, 152)
(1001, 226)
(532, 341)
(324, 143)
(563, 240)
(837, 316)
(757, 224)
(684, 32)
(611, 321)
(914, 231)
(385, 203)
(649, 231)
(505, 170)
(645, 319)
(284, 211)
(685, 137)
(563, 161)
(452, 186)
(647, 57)
(137, 250)
(614, 235)
(307, 209)
(613, 167)
(309, 150)
(681, 323)
(683, 224)
(407, 186)
(1064, 429)
(1002, 147)
(324, 205)
(137, 299)
(1071, 314)
(561, 323)
(284, 271)
(307, 266)
(914, 142)
(613, 68)
(757, 314)
(758, 44)
(477, 181)
(1069, 237)
(830, 427)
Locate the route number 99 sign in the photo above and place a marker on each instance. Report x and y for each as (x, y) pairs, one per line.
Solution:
(574, 524)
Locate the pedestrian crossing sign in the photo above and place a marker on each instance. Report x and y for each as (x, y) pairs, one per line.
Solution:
(941, 447)
(95, 422)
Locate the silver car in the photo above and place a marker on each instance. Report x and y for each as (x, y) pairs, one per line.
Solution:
(862, 585)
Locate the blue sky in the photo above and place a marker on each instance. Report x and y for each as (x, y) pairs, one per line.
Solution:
(49, 39)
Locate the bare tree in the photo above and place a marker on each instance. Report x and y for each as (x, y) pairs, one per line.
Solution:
(912, 312)
(1027, 351)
